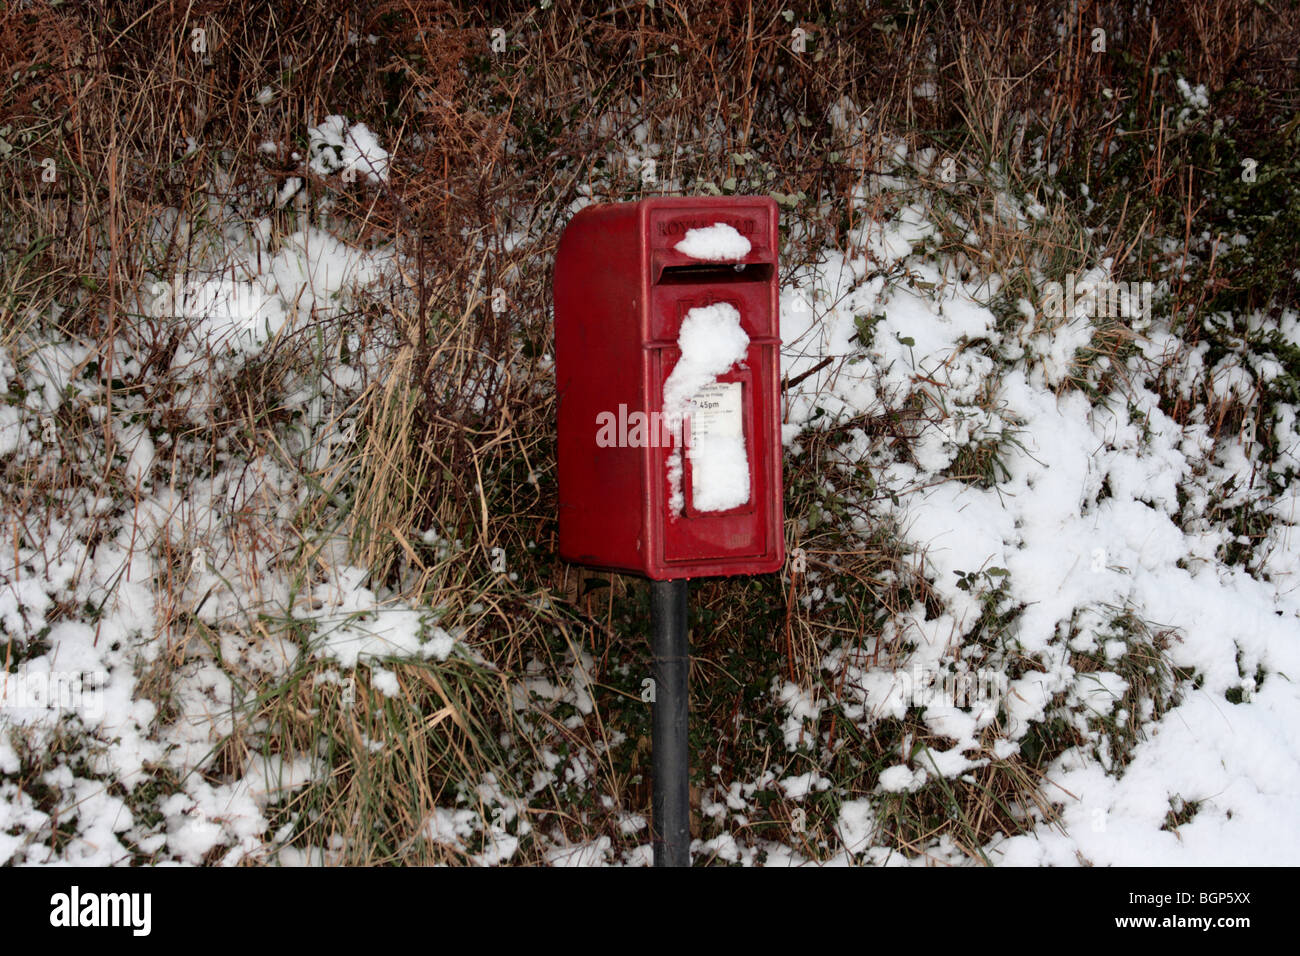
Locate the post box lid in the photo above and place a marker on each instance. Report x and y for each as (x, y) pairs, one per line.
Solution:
(666, 221)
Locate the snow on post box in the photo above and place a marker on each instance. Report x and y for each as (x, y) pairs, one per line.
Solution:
(667, 364)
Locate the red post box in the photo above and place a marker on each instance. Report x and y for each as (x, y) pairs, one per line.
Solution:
(667, 371)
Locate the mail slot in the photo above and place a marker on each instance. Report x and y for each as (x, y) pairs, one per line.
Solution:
(667, 378)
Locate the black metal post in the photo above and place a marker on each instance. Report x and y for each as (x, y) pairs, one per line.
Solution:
(670, 761)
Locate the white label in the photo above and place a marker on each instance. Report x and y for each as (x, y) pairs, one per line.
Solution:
(716, 412)
(719, 463)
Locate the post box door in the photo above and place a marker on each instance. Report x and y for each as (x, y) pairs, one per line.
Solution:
(745, 531)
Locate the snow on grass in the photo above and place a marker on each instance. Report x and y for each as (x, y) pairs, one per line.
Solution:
(1089, 516)
(95, 593)
(351, 626)
(338, 146)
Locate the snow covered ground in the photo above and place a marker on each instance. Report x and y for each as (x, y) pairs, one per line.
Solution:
(1103, 515)
(1103, 507)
